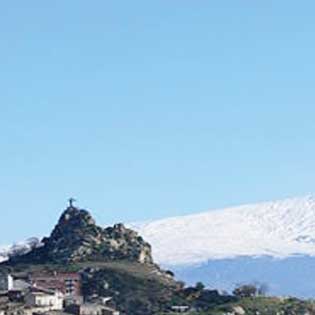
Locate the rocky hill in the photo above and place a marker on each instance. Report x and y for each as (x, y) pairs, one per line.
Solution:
(77, 238)
(114, 261)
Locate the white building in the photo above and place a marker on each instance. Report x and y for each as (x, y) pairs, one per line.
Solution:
(49, 300)
(6, 282)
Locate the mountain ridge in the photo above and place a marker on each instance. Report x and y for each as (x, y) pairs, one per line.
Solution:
(279, 229)
(271, 243)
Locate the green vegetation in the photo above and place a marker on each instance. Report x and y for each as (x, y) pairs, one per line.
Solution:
(259, 306)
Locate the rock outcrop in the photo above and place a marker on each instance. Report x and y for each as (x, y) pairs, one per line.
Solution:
(77, 238)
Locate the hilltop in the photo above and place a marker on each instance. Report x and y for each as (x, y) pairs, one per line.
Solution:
(77, 238)
(115, 261)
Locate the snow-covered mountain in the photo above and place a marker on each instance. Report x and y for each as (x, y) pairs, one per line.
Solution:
(19, 248)
(271, 242)
(278, 229)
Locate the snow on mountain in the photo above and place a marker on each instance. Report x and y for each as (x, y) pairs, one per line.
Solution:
(4, 255)
(271, 243)
(278, 229)
(18, 248)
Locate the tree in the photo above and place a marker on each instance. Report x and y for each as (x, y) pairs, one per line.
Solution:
(247, 290)
(200, 286)
(170, 273)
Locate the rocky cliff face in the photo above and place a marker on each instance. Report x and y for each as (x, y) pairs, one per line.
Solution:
(77, 238)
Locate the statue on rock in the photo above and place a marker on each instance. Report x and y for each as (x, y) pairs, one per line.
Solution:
(71, 201)
(77, 238)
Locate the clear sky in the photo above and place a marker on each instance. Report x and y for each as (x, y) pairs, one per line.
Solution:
(147, 109)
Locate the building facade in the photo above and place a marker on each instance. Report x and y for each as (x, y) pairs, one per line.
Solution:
(6, 281)
(91, 309)
(67, 283)
(49, 300)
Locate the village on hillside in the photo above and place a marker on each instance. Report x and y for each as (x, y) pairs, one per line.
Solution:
(54, 293)
(48, 293)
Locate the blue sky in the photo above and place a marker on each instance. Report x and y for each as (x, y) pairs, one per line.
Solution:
(144, 109)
